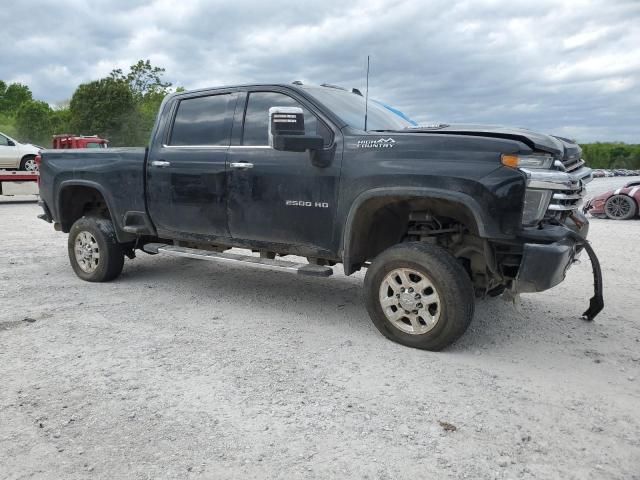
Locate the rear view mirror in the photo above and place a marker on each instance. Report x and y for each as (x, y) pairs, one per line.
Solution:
(11, 143)
(286, 131)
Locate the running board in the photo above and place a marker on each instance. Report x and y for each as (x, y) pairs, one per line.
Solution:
(299, 268)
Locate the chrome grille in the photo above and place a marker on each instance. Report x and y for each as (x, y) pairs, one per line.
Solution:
(566, 200)
(567, 188)
(570, 164)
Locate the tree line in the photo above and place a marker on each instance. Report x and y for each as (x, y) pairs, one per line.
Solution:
(121, 107)
(612, 155)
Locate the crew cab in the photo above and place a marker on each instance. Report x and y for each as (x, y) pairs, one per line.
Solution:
(437, 214)
(16, 155)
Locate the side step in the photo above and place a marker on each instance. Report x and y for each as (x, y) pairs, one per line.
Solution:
(299, 268)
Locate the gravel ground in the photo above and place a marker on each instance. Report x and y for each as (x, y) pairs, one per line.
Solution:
(190, 369)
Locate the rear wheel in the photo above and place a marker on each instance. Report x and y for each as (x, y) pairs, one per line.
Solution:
(29, 164)
(620, 207)
(94, 251)
(418, 295)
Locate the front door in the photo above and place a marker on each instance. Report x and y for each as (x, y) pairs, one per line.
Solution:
(280, 197)
(186, 170)
(8, 153)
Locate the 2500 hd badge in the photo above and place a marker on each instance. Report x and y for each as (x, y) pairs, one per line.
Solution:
(304, 203)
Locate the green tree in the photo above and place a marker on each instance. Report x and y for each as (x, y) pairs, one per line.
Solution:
(60, 121)
(33, 122)
(105, 107)
(611, 155)
(148, 107)
(6, 120)
(143, 79)
(148, 90)
(13, 96)
(121, 107)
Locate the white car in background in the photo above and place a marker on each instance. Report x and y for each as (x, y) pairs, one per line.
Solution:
(14, 154)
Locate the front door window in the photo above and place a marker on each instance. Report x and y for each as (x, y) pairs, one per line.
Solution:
(256, 119)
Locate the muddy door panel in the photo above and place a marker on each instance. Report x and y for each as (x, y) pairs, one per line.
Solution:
(186, 176)
(282, 198)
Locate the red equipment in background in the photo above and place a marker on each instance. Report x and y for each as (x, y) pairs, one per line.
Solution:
(67, 140)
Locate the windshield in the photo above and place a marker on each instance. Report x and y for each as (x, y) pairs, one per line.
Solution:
(350, 108)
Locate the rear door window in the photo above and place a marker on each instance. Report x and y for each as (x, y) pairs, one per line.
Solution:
(202, 121)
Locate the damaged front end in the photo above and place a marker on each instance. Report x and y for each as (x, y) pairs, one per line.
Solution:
(547, 255)
(555, 230)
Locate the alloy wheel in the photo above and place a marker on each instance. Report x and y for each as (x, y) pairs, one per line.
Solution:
(410, 301)
(87, 252)
(30, 165)
(618, 207)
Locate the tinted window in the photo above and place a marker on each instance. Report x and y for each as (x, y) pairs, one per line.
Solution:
(202, 121)
(4, 141)
(256, 120)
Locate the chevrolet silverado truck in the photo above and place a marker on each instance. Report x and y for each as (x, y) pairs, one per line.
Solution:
(438, 215)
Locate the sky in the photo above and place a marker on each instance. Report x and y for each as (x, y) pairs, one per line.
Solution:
(566, 67)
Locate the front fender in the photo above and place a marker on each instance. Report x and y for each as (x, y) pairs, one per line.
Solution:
(468, 211)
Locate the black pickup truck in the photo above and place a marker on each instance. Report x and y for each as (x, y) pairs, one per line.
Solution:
(437, 214)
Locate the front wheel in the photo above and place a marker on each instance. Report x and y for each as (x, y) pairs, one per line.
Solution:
(418, 295)
(94, 251)
(29, 164)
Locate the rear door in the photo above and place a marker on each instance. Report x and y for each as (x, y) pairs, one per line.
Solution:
(186, 167)
(280, 197)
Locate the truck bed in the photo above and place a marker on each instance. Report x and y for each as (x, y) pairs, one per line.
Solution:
(118, 173)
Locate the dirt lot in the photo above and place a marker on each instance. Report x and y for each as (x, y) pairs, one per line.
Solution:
(189, 369)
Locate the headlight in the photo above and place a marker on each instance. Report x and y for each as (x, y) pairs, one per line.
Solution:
(536, 203)
(527, 161)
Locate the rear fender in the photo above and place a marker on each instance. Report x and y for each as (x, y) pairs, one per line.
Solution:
(122, 236)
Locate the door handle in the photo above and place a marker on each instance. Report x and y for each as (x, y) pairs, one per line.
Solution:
(241, 165)
(160, 163)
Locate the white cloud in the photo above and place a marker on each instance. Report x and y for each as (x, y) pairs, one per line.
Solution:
(569, 67)
(585, 37)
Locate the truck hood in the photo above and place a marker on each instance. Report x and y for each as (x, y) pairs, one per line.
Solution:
(536, 141)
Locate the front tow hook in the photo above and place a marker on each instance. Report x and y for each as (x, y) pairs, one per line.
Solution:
(596, 303)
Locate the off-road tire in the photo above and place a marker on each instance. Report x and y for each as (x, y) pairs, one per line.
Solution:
(31, 160)
(625, 209)
(449, 280)
(111, 255)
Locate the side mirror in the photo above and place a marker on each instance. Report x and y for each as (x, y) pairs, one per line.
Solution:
(11, 143)
(286, 131)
